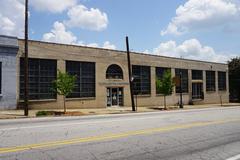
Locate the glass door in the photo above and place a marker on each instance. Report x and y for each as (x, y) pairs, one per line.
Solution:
(120, 96)
(114, 97)
(109, 97)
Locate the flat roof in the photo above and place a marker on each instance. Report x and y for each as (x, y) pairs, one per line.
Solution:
(133, 52)
(8, 41)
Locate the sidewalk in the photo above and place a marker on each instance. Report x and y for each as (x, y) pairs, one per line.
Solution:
(13, 114)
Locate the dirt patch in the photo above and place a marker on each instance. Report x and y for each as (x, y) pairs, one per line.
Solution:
(76, 113)
(163, 109)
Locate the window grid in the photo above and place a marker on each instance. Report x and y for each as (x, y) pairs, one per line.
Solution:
(85, 83)
(114, 72)
(197, 75)
(210, 81)
(184, 80)
(222, 81)
(42, 73)
(142, 80)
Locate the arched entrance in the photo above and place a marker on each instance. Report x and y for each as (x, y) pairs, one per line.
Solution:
(114, 94)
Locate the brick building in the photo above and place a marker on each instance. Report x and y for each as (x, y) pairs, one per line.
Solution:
(103, 76)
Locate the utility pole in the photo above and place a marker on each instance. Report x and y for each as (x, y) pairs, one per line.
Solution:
(130, 75)
(26, 93)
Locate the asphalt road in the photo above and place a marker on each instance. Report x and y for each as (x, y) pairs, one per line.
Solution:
(203, 134)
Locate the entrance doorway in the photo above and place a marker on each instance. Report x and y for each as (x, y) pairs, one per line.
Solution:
(197, 91)
(114, 97)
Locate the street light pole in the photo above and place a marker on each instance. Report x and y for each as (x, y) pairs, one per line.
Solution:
(181, 101)
(26, 93)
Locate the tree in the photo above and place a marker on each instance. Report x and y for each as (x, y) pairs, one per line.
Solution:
(64, 85)
(234, 78)
(165, 85)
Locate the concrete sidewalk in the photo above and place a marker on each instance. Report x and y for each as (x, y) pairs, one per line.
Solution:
(13, 114)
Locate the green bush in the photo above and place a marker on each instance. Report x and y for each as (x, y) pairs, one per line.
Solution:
(44, 113)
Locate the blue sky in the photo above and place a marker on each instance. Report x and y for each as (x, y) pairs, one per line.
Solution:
(193, 29)
(142, 22)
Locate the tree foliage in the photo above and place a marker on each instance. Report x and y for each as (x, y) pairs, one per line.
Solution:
(234, 78)
(165, 85)
(64, 85)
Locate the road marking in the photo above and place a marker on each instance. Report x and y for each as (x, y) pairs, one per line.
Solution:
(152, 114)
(78, 123)
(237, 157)
(110, 136)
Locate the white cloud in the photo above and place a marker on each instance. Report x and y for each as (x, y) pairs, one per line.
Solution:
(95, 45)
(59, 34)
(54, 6)
(82, 17)
(190, 49)
(203, 14)
(108, 45)
(12, 17)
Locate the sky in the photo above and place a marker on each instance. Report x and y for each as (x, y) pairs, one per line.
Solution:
(206, 30)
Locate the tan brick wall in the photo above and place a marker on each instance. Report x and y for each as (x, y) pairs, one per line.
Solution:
(103, 58)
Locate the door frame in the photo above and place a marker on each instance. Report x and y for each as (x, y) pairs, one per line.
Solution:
(109, 95)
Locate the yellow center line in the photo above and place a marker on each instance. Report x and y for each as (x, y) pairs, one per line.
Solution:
(111, 136)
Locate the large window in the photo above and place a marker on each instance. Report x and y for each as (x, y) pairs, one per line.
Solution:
(197, 85)
(197, 75)
(85, 83)
(114, 72)
(197, 91)
(210, 81)
(184, 80)
(160, 71)
(221, 81)
(159, 74)
(42, 73)
(142, 80)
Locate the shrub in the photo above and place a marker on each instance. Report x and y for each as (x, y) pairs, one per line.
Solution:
(44, 113)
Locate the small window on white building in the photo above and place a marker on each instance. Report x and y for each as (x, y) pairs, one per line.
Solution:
(0, 77)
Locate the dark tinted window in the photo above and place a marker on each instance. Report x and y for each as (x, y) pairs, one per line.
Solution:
(142, 80)
(197, 75)
(85, 83)
(160, 71)
(184, 80)
(114, 72)
(210, 81)
(222, 81)
(42, 73)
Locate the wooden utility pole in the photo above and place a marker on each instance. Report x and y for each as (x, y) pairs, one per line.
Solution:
(130, 75)
(26, 93)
